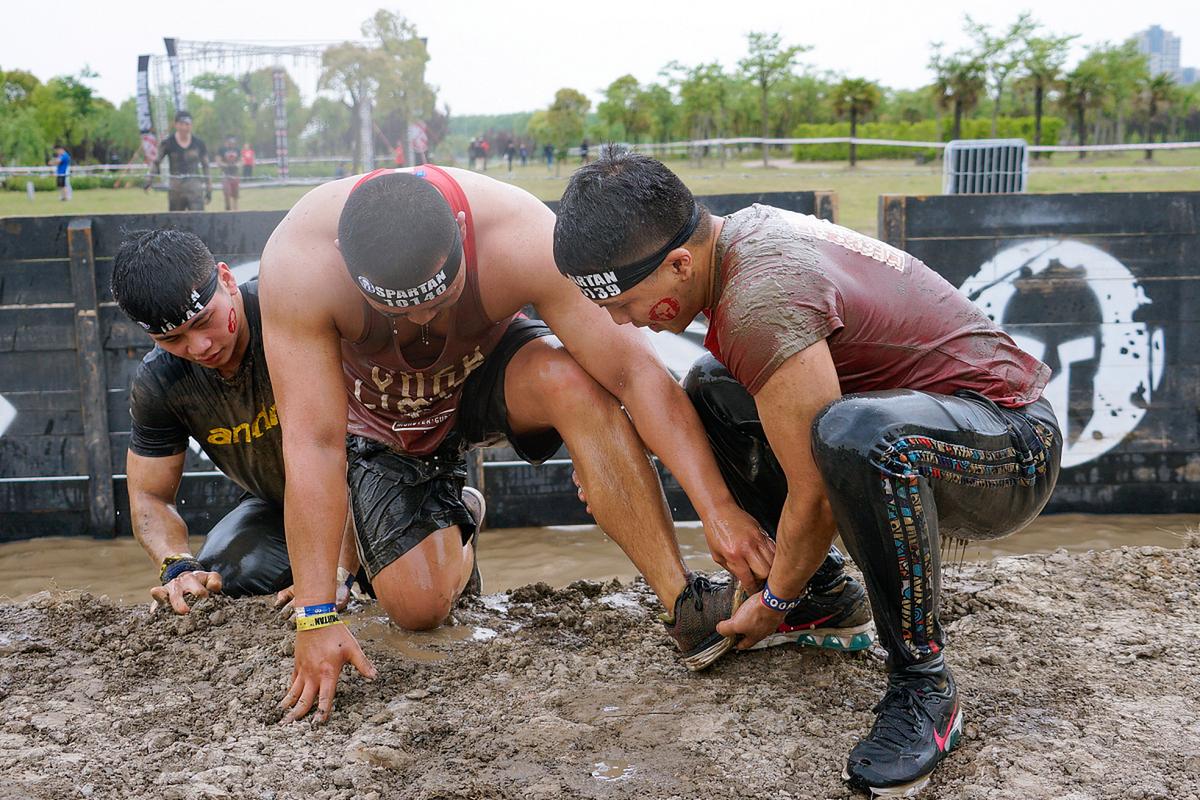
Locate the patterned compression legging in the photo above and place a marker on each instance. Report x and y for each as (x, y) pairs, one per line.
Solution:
(900, 467)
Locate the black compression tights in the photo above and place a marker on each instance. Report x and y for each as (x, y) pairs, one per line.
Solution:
(900, 467)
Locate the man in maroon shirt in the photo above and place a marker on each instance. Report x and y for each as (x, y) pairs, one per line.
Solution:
(392, 301)
(850, 389)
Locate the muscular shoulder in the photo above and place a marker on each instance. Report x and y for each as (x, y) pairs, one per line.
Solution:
(152, 382)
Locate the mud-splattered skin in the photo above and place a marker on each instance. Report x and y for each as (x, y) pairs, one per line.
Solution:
(787, 280)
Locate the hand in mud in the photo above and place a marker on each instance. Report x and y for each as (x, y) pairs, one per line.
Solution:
(198, 584)
(738, 544)
(320, 656)
(579, 492)
(752, 622)
(284, 597)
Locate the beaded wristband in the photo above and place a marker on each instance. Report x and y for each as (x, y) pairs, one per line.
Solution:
(174, 566)
(775, 604)
(308, 623)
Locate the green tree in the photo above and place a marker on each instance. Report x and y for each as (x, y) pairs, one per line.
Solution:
(1083, 90)
(1042, 62)
(1124, 71)
(959, 81)
(1158, 93)
(766, 62)
(623, 108)
(1000, 54)
(704, 92)
(661, 111)
(561, 125)
(855, 98)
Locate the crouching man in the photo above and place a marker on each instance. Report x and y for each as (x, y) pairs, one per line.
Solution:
(850, 389)
(206, 378)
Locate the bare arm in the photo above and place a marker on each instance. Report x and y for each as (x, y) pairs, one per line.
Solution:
(152, 484)
(787, 405)
(622, 360)
(160, 530)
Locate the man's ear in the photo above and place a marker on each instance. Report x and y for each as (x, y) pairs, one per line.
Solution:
(682, 264)
(227, 279)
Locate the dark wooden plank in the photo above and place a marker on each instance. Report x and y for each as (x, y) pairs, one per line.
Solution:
(890, 225)
(121, 365)
(1097, 213)
(45, 414)
(42, 456)
(28, 283)
(49, 371)
(92, 382)
(30, 329)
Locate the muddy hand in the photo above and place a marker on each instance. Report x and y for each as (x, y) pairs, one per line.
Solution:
(198, 584)
(739, 545)
(320, 655)
(752, 622)
(579, 492)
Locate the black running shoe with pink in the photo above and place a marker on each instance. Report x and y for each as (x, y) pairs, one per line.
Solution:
(838, 618)
(918, 722)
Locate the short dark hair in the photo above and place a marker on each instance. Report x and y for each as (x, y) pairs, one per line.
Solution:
(155, 271)
(395, 229)
(620, 208)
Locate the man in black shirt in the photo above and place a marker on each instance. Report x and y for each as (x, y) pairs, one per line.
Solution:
(206, 378)
(189, 158)
(227, 159)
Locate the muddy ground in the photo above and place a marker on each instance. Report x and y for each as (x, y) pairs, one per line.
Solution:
(1080, 678)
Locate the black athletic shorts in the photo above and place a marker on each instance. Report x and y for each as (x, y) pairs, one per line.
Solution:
(399, 499)
(60, 181)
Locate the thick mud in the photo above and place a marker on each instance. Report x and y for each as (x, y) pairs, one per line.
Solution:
(1078, 674)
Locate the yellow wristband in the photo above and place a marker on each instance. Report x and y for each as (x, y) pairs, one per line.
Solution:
(318, 621)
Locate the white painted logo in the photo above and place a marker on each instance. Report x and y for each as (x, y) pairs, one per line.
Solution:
(1073, 305)
(7, 414)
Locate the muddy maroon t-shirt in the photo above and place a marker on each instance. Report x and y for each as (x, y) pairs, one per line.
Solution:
(788, 280)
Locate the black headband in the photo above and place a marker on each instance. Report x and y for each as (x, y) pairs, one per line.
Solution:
(601, 285)
(195, 303)
(423, 292)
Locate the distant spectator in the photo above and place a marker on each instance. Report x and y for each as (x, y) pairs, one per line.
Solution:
(583, 151)
(227, 159)
(339, 171)
(247, 160)
(548, 154)
(189, 190)
(485, 148)
(524, 155)
(62, 172)
(398, 152)
(510, 152)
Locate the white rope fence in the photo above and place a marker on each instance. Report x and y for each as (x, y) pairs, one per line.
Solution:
(759, 141)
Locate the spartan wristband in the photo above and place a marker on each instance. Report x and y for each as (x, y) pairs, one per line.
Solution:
(308, 623)
(776, 604)
(174, 566)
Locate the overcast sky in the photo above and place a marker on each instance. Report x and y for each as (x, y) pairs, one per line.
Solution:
(484, 60)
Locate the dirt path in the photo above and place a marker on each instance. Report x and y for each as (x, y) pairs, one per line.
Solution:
(1080, 679)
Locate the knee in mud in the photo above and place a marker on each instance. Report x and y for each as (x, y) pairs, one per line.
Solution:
(417, 613)
(718, 397)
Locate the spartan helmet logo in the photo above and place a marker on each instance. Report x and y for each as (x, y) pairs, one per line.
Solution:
(1079, 310)
(366, 284)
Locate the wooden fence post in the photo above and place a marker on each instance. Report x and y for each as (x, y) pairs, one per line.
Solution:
(891, 222)
(93, 386)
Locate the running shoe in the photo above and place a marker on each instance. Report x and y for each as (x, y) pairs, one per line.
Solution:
(477, 507)
(836, 619)
(918, 722)
(693, 625)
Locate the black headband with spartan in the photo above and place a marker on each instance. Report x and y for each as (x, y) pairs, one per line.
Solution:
(602, 285)
(195, 303)
(425, 291)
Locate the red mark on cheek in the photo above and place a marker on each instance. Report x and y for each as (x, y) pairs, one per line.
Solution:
(665, 310)
(233, 320)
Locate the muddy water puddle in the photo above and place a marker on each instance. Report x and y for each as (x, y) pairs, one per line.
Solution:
(517, 556)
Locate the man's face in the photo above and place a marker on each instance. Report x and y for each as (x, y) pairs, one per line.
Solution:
(209, 338)
(658, 303)
(183, 127)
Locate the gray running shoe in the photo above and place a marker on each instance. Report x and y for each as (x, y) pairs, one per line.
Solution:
(700, 606)
(473, 499)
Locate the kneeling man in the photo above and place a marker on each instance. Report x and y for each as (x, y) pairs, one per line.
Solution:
(851, 389)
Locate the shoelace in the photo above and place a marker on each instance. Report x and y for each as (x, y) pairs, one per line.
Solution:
(898, 724)
(696, 587)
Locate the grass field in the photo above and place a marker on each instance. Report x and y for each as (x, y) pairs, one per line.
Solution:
(857, 189)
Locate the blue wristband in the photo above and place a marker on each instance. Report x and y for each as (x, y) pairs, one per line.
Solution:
(776, 604)
(177, 568)
(316, 611)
